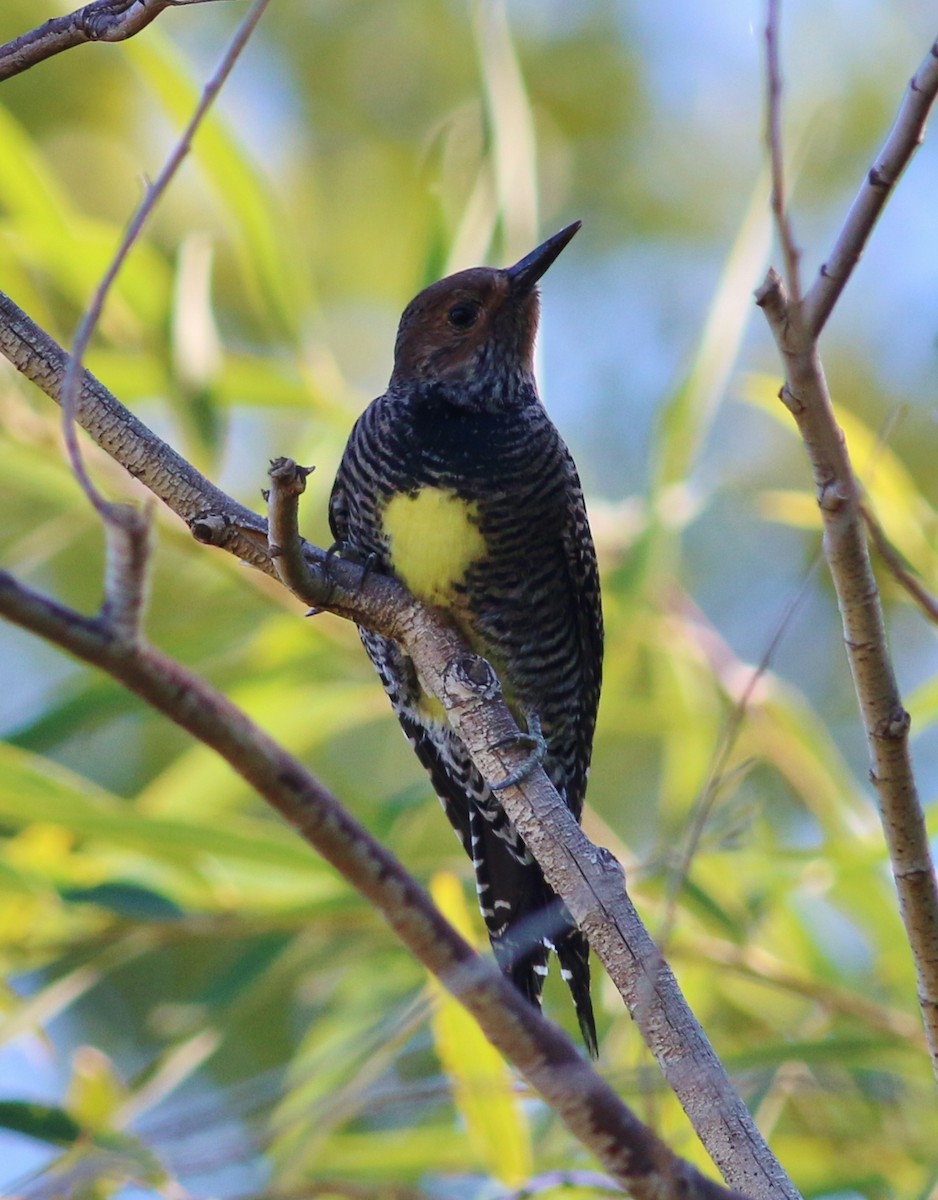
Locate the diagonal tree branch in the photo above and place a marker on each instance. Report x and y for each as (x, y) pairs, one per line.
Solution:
(634, 1156)
(806, 394)
(101, 21)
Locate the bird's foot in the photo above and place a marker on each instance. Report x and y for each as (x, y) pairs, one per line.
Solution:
(349, 553)
(534, 742)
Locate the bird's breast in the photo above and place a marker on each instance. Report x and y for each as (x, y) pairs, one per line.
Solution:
(433, 539)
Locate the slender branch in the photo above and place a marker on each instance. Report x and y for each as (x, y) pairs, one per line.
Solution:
(703, 806)
(628, 1150)
(102, 21)
(905, 137)
(885, 720)
(758, 965)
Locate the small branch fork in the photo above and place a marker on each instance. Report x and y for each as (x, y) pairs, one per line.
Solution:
(795, 326)
(102, 21)
(126, 528)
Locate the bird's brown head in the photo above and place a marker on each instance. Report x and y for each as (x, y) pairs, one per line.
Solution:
(468, 340)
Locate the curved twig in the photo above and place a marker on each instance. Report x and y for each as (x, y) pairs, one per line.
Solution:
(90, 319)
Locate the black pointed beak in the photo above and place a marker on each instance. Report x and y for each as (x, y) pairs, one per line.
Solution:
(525, 274)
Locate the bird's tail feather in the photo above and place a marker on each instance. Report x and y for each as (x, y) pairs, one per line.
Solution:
(573, 951)
(512, 897)
(525, 921)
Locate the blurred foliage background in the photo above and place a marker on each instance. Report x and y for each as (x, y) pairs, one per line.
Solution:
(194, 1005)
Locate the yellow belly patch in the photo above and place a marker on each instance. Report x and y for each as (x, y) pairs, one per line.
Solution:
(434, 538)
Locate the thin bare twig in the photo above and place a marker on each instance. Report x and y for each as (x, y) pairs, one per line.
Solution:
(127, 532)
(776, 151)
(885, 720)
(126, 529)
(101, 21)
(897, 568)
(754, 963)
(628, 1150)
(86, 327)
(905, 137)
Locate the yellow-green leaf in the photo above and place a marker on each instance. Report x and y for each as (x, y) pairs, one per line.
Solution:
(482, 1087)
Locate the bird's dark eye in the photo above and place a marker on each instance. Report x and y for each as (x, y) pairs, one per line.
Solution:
(463, 316)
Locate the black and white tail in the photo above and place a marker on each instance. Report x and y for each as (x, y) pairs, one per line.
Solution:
(525, 920)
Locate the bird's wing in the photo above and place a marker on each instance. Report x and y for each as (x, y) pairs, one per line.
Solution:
(585, 607)
(338, 510)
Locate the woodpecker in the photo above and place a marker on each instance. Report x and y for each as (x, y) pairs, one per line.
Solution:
(457, 483)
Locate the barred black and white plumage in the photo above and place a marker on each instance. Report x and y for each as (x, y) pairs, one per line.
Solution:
(456, 481)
